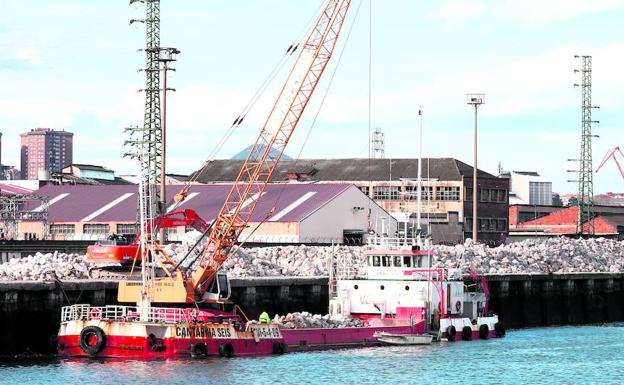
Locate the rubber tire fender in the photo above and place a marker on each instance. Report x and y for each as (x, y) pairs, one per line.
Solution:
(467, 333)
(199, 350)
(451, 332)
(226, 350)
(99, 345)
(499, 329)
(278, 348)
(484, 331)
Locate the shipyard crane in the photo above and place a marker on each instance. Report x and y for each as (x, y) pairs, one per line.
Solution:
(257, 169)
(611, 154)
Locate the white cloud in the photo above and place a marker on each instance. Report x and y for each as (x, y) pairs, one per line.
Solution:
(29, 56)
(457, 12)
(528, 11)
(40, 112)
(551, 10)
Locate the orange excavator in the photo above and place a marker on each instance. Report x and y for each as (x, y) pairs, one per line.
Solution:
(115, 256)
(183, 286)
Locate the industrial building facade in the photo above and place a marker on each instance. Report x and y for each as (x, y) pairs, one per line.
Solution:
(286, 213)
(446, 195)
(529, 187)
(45, 150)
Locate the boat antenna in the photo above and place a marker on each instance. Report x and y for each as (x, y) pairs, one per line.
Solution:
(419, 188)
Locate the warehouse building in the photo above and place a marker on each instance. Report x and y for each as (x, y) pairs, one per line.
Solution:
(286, 213)
(446, 204)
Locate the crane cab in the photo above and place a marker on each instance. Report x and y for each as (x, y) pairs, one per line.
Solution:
(219, 290)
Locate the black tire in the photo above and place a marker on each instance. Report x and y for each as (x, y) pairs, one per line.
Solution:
(451, 332)
(86, 336)
(199, 350)
(484, 332)
(226, 350)
(54, 341)
(499, 329)
(278, 348)
(467, 333)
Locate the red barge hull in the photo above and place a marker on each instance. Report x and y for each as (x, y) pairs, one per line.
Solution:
(157, 341)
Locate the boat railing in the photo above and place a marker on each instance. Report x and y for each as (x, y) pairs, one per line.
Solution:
(83, 312)
(392, 242)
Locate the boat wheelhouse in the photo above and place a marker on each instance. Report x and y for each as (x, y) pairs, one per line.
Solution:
(396, 281)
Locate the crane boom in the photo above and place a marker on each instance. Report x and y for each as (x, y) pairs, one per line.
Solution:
(257, 169)
(612, 154)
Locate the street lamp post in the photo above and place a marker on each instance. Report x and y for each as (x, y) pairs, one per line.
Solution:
(475, 100)
(165, 57)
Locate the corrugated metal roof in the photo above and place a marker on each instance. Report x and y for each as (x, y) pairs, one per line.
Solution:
(111, 203)
(7, 188)
(353, 169)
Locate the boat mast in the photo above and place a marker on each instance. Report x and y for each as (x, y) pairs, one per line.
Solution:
(419, 183)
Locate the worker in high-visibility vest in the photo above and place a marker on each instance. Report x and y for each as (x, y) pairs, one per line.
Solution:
(264, 318)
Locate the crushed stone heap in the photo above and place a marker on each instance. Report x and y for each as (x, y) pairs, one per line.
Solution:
(555, 255)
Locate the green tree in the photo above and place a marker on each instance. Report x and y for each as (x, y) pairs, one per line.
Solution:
(556, 200)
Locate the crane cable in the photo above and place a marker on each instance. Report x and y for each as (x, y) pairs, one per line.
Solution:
(179, 198)
(320, 107)
(269, 214)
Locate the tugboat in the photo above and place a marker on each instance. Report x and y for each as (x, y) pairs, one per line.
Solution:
(398, 282)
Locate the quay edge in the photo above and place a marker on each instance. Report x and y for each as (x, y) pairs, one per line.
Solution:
(31, 309)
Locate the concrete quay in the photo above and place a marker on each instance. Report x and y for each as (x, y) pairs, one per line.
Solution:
(30, 310)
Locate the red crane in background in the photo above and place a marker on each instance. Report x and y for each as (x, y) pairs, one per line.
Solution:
(612, 154)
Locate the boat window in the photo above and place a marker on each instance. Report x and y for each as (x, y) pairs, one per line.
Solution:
(407, 261)
(417, 261)
(397, 261)
(385, 260)
(376, 260)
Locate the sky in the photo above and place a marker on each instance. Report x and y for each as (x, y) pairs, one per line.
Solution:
(72, 65)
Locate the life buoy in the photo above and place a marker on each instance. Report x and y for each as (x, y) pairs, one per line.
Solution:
(199, 350)
(457, 305)
(226, 350)
(92, 340)
(484, 331)
(95, 313)
(278, 348)
(450, 333)
(499, 329)
(467, 333)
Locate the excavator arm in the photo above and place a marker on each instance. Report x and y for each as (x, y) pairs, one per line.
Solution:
(257, 169)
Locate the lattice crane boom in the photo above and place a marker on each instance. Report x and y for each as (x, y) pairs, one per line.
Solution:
(611, 154)
(256, 172)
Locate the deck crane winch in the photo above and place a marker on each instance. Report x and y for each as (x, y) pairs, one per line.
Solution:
(257, 169)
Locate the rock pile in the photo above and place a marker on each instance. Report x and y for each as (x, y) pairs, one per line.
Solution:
(41, 267)
(306, 320)
(555, 255)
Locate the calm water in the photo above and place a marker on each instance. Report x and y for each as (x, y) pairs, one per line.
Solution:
(562, 355)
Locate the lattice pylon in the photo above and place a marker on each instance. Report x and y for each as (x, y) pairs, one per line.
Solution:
(585, 224)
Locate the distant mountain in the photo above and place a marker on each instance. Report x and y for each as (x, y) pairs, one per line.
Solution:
(245, 153)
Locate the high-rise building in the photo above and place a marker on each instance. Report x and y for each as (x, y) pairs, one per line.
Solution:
(45, 150)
